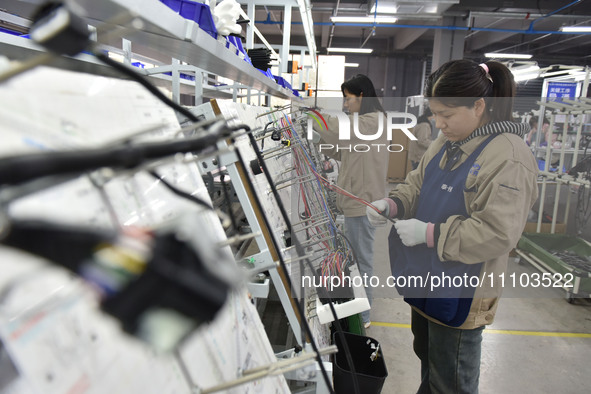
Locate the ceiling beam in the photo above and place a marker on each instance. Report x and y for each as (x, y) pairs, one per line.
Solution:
(483, 39)
(404, 37)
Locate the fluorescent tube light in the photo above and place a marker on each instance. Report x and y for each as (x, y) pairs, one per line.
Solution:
(384, 8)
(351, 64)
(525, 70)
(553, 73)
(350, 50)
(525, 77)
(508, 55)
(576, 29)
(363, 19)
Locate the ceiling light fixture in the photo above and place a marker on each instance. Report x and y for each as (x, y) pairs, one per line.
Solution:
(384, 8)
(525, 70)
(350, 50)
(351, 64)
(363, 19)
(308, 24)
(576, 29)
(553, 73)
(508, 55)
(525, 77)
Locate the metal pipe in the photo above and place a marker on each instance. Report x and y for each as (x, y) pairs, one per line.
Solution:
(371, 34)
(279, 154)
(518, 15)
(559, 170)
(291, 184)
(275, 368)
(336, 10)
(316, 224)
(546, 164)
(438, 27)
(237, 238)
(303, 221)
(315, 242)
(277, 183)
(299, 258)
(273, 111)
(567, 179)
(531, 26)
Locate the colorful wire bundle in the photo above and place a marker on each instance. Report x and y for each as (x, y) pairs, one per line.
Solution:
(314, 198)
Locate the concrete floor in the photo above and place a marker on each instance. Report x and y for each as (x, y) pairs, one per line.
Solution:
(541, 361)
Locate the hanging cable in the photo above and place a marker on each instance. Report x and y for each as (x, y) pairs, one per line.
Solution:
(300, 252)
(298, 303)
(179, 192)
(122, 68)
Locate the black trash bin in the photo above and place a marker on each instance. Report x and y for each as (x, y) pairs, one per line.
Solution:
(370, 374)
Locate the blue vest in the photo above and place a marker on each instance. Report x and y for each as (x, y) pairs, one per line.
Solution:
(441, 289)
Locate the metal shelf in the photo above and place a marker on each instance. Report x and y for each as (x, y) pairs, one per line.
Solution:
(19, 48)
(168, 33)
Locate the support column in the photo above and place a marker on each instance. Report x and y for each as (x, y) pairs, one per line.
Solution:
(301, 72)
(199, 87)
(448, 44)
(176, 81)
(286, 35)
(126, 46)
(250, 10)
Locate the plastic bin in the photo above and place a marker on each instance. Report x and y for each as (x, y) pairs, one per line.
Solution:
(542, 245)
(370, 375)
(174, 5)
(280, 81)
(237, 42)
(267, 73)
(200, 13)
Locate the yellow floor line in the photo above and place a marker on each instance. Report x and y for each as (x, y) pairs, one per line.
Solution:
(506, 332)
(397, 325)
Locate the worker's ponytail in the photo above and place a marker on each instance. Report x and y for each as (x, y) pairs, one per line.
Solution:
(462, 82)
(501, 105)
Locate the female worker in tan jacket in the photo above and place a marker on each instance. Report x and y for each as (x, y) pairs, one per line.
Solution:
(460, 214)
(363, 167)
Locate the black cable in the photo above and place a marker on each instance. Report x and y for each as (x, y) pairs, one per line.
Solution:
(330, 302)
(145, 83)
(227, 197)
(179, 192)
(301, 252)
(299, 307)
(134, 75)
(22, 168)
(264, 134)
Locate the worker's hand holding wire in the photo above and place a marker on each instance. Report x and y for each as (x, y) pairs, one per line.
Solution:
(316, 137)
(414, 232)
(375, 218)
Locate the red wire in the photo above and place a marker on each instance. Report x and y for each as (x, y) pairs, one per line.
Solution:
(344, 192)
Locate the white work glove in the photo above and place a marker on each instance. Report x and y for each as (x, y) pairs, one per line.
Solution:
(375, 218)
(412, 231)
(315, 137)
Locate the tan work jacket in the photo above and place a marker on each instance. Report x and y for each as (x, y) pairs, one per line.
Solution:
(498, 198)
(416, 149)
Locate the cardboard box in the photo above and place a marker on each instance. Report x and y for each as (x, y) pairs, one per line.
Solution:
(530, 227)
(398, 165)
